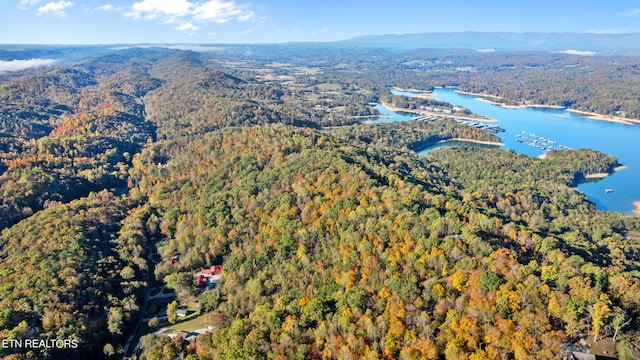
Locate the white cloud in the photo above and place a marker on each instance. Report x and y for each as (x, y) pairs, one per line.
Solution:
(221, 12)
(17, 65)
(322, 30)
(577, 52)
(152, 9)
(29, 2)
(248, 15)
(55, 7)
(186, 12)
(26, 4)
(606, 31)
(188, 28)
(108, 7)
(632, 12)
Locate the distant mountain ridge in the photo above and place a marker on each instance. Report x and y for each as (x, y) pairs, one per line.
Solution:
(502, 41)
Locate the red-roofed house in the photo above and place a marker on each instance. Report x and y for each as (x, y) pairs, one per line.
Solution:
(209, 277)
(213, 270)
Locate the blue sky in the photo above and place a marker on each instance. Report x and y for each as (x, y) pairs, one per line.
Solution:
(275, 21)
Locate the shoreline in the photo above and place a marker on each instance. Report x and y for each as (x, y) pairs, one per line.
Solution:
(395, 88)
(434, 113)
(636, 211)
(477, 94)
(424, 94)
(596, 176)
(599, 117)
(604, 175)
(586, 114)
(369, 116)
(532, 106)
(428, 145)
(483, 98)
(483, 142)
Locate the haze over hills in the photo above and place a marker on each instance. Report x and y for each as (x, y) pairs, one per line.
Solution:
(502, 41)
(576, 43)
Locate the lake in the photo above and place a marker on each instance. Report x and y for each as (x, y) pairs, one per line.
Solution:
(563, 128)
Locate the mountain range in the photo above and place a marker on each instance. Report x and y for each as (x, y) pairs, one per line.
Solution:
(502, 41)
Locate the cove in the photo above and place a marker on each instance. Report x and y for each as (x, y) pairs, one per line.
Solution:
(564, 128)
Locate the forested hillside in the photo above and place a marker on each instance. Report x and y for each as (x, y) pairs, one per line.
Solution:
(605, 85)
(70, 272)
(401, 257)
(336, 240)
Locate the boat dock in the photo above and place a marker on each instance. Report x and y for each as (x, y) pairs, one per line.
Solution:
(477, 124)
(482, 125)
(539, 142)
(427, 118)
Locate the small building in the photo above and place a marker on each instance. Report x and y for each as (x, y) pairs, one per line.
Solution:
(213, 270)
(209, 277)
(181, 312)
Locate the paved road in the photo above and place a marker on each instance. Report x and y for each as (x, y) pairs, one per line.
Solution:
(143, 311)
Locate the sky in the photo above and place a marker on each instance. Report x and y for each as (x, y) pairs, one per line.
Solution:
(278, 21)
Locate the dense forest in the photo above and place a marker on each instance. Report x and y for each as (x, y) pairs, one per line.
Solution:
(138, 168)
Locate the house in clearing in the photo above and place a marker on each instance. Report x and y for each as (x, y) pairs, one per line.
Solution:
(213, 270)
(209, 277)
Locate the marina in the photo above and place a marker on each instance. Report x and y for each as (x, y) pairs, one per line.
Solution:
(473, 123)
(570, 131)
(539, 142)
(558, 129)
(482, 125)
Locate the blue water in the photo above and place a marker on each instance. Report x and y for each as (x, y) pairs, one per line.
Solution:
(387, 115)
(408, 93)
(566, 128)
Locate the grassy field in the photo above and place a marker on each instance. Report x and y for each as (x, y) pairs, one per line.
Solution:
(604, 346)
(233, 64)
(308, 70)
(328, 87)
(197, 321)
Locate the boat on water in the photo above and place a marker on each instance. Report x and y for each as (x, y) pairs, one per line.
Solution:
(609, 190)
